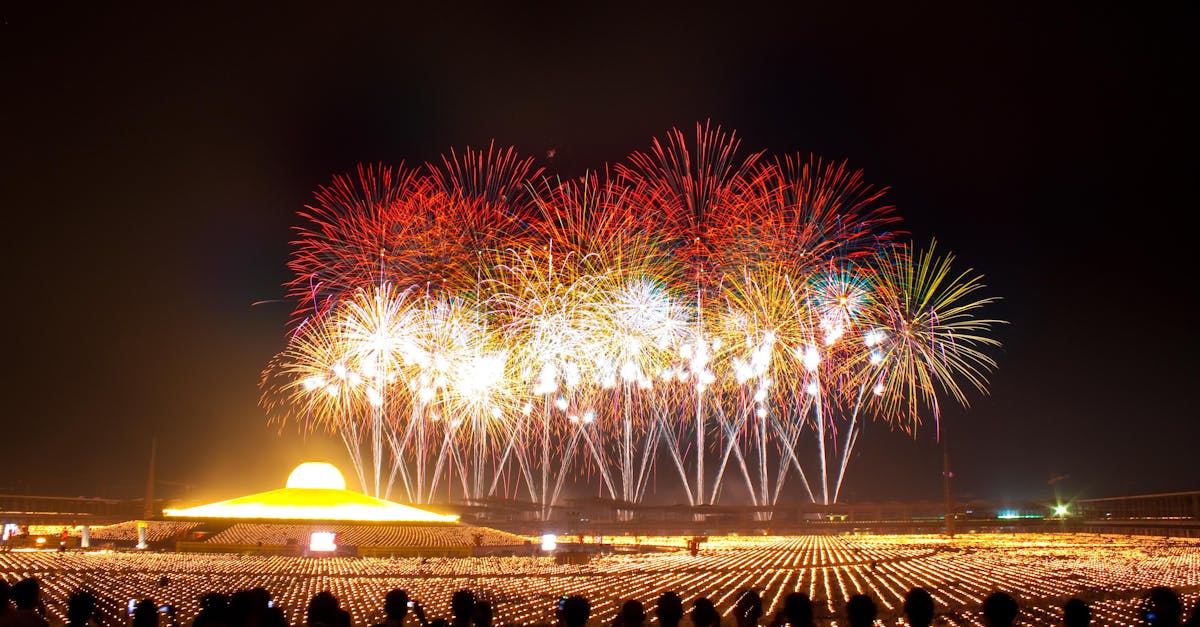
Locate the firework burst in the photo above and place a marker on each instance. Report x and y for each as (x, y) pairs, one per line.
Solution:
(477, 326)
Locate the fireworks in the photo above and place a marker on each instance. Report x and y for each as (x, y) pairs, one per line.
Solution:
(476, 329)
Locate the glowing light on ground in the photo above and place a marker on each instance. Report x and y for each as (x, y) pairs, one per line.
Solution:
(1111, 572)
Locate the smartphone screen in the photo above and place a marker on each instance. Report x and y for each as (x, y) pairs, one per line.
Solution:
(132, 604)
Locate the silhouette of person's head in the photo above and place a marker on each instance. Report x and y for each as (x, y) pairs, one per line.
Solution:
(5, 595)
(145, 614)
(632, 614)
(395, 604)
(323, 609)
(798, 609)
(483, 614)
(669, 609)
(213, 608)
(246, 607)
(574, 611)
(918, 607)
(261, 597)
(748, 608)
(1161, 607)
(80, 607)
(25, 593)
(999, 610)
(273, 616)
(704, 613)
(462, 606)
(860, 611)
(213, 601)
(1076, 613)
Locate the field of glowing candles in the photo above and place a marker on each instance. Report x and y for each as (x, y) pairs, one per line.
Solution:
(1110, 572)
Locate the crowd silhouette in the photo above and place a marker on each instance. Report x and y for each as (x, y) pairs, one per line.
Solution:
(21, 606)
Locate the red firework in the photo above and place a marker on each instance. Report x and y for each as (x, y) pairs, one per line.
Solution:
(691, 189)
(803, 212)
(348, 227)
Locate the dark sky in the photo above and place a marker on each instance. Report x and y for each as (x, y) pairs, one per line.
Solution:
(153, 161)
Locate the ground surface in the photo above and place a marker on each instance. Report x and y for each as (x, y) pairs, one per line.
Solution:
(1042, 570)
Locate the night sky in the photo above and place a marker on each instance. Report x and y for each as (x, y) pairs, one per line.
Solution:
(153, 162)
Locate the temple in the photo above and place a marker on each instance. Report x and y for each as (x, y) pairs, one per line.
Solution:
(314, 491)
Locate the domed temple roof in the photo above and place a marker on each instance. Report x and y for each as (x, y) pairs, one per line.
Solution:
(315, 491)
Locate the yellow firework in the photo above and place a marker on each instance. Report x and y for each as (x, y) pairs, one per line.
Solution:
(928, 339)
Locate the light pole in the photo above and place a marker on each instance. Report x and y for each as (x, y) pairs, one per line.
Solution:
(947, 475)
